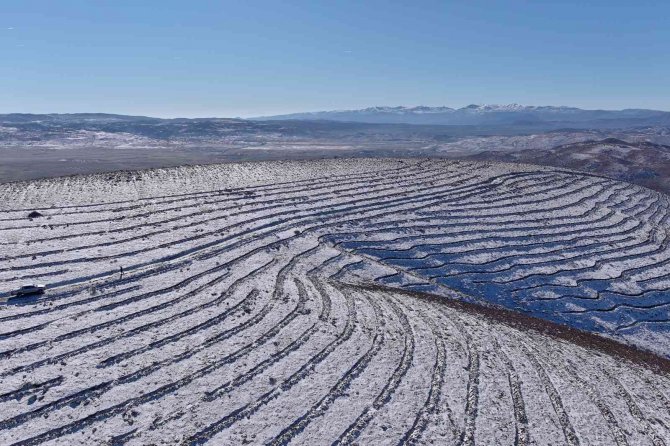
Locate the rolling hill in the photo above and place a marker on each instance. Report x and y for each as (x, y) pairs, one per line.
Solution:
(369, 301)
(639, 162)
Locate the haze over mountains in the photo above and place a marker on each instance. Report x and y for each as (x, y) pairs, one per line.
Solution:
(631, 145)
(511, 114)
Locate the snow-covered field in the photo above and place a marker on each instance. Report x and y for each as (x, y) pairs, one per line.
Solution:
(277, 303)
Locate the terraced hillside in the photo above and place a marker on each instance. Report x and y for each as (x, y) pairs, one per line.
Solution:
(335, 302)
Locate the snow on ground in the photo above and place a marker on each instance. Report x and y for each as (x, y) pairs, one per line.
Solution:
(551, 140)
(277, 303)
(471, 145)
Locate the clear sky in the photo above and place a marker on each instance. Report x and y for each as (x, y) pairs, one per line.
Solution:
(247, 58)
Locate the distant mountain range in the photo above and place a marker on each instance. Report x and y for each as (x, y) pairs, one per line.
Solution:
(632, 145)
(509, 115)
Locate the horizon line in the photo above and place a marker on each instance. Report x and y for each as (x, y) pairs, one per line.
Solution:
(245, 116)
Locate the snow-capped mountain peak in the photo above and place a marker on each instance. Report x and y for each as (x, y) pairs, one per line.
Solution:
(486, 114)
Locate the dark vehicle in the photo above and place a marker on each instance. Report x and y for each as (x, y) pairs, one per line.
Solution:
(29, 290)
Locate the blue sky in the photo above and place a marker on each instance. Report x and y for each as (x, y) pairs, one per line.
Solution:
(246, 58)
